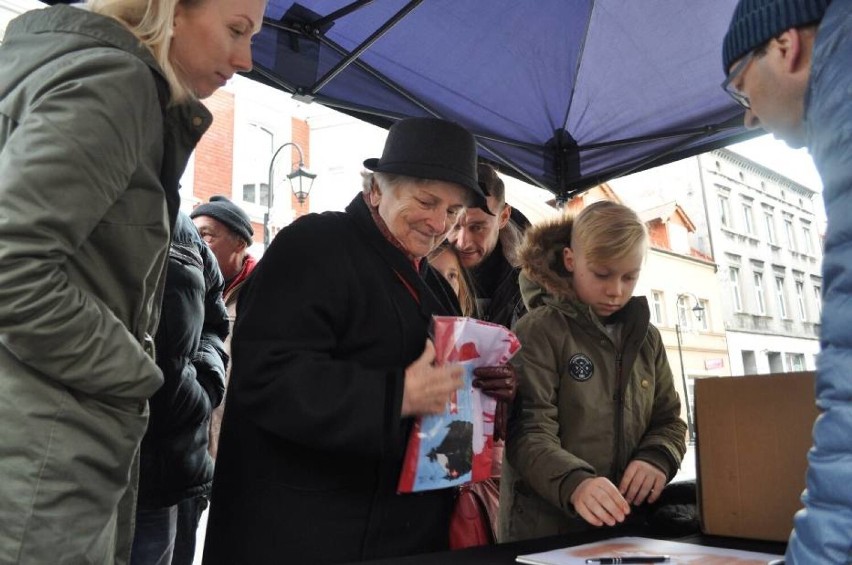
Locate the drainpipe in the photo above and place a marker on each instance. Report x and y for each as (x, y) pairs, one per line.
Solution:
(707, 214)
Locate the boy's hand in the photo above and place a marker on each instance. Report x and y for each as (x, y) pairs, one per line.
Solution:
(642, 482)
(599, 502)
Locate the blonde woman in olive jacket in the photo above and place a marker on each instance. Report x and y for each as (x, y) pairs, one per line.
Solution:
(99, 112)
(596, 428)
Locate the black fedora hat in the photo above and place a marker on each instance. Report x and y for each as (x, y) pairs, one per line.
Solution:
(431, 148)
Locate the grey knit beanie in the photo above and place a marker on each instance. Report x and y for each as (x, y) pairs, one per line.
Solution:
(757, 21)
(222, 209)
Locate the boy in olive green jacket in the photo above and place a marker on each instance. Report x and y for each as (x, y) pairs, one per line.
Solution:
(597, 425)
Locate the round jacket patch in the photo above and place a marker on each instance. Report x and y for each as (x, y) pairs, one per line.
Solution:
(580, 367)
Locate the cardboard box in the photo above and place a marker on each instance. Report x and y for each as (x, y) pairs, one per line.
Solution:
(753, 434)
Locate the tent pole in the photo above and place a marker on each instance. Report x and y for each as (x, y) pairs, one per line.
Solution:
(346, 61)
(344, 11)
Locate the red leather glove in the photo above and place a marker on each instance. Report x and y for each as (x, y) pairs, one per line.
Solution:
(501, 383)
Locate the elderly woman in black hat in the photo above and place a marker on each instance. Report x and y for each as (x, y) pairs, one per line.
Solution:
(331, 362)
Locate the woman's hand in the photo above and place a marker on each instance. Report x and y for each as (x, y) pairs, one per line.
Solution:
(428, 388)
(501, 383)
(598, 502)
(498, 381)
(642, 481)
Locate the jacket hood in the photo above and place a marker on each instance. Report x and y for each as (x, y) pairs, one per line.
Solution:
(542, 269)
(46, 34)
(510, 241)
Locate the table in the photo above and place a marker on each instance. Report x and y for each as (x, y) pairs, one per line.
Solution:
(505, 554)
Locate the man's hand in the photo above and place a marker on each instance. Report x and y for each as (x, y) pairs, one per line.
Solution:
(501, 383)
(427, 388)
(598, 502)
(642, 481)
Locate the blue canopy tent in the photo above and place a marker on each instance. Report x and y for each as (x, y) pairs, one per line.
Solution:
(562, 93)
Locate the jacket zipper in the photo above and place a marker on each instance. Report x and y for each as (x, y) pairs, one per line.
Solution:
(619, 418)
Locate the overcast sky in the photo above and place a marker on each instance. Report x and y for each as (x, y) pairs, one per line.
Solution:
(795, 164)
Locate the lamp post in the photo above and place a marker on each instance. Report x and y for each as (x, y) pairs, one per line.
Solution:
(698, 312)
(301, 181)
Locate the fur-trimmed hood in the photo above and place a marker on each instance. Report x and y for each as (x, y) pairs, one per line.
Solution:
(511, 237)
(540, 256)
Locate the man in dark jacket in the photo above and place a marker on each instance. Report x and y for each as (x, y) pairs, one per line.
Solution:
(227, 229)
(176, 470)
(487, 245)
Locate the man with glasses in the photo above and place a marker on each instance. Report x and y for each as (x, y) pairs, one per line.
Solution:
(789, 64)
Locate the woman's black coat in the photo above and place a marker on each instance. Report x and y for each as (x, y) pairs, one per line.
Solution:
(312, 438)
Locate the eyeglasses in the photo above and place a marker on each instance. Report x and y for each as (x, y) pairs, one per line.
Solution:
(727, 84)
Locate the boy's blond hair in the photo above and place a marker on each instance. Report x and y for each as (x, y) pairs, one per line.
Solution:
(608, 231)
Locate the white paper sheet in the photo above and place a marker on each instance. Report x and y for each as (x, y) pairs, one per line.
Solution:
(680, 553)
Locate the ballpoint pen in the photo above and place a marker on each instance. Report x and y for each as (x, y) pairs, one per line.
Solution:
(628, 560)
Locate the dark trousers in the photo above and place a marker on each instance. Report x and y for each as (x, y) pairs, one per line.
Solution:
(154, 538)
(188, 515)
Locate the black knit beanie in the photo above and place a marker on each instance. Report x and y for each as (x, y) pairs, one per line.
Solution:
(222, 209)
(757, 21)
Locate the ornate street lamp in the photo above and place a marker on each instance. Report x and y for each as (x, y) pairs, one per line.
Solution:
(301, 181)
(698, 312)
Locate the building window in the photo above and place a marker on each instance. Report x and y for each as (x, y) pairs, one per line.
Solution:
(796, 361)
(807, 241)
(748, 219)
(256, 193)
(776, 364)
(255, 179)
(749, 363)
(704, 324)
(725, 211)
(736, 295)
(678, 238)
(770, 226)
(683, 313)
(791, 238)
(657, 307)
(779, 295)
(818, 299)
(249, 194)
(759, 298)
(800, 299)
